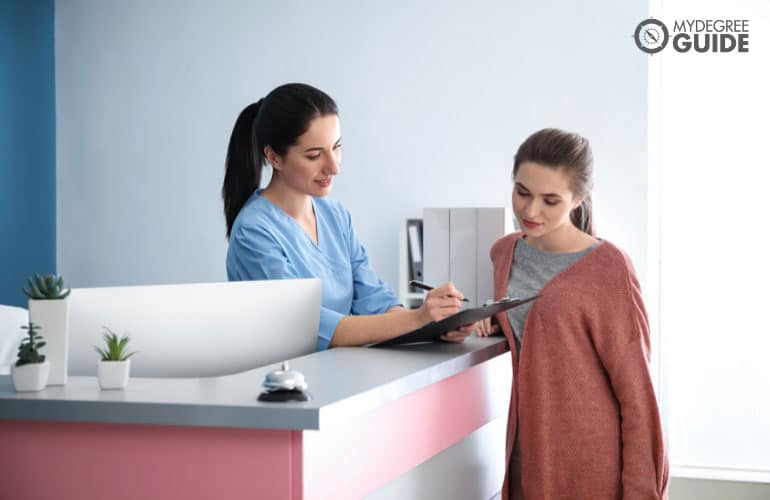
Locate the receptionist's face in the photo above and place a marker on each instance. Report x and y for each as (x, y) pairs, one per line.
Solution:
(542, 199)
(309, 166)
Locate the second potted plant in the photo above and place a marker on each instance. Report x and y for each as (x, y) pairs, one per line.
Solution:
(114, 367)
(30, 372)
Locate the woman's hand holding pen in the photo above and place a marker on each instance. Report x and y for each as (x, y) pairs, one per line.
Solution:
(442, 301)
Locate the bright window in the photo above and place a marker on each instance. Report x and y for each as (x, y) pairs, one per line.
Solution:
(710, 203)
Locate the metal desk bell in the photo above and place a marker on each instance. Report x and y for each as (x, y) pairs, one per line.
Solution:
(284, 384)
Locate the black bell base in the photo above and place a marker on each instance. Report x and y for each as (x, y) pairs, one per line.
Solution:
(283, 396)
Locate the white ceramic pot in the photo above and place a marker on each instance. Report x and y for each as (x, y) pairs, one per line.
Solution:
(30, 377)
(52, 316)
(114, 374)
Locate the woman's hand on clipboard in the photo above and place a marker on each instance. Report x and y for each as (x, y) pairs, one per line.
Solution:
(487, 327)
(458, 336)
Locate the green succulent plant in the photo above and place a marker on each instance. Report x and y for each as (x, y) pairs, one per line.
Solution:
(28, 349)
(115, 347)
(48, 287)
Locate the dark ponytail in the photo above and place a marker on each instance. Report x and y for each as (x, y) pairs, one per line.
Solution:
(276, 121)
(571, 152)
(243, 166)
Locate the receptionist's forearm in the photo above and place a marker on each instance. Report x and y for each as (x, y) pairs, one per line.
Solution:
(360, 330)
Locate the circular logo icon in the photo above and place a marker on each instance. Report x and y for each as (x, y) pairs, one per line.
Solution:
(651, 36)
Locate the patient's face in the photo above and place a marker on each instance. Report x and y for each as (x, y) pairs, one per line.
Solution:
(542, 199)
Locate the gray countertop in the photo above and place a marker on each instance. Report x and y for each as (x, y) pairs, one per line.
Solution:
(343, 383)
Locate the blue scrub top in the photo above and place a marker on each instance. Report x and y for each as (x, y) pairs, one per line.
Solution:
(266, 243)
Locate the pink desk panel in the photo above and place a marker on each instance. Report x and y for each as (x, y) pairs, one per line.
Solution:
(345, 459)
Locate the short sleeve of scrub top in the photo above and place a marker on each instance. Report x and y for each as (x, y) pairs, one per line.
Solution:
(266, 243)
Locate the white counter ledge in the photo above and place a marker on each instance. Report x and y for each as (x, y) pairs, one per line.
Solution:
(343, 383)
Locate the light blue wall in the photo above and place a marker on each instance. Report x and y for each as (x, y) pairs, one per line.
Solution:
(434, 99)
(27, 145)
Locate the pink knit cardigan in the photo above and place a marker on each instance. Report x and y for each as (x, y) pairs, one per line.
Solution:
(588, 420)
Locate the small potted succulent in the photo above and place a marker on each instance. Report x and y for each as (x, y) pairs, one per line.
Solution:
(114, 366)
(48, 308)
(30, 372)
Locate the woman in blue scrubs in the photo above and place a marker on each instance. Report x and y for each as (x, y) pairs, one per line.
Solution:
(292, 229)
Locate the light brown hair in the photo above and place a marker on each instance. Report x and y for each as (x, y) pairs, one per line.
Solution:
(566, 151)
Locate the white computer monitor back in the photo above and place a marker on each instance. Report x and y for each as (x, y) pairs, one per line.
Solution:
(196, 330)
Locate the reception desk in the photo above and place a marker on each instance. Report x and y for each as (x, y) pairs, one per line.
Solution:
(374, 416)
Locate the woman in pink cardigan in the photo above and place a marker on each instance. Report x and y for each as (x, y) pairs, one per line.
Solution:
(583, 420)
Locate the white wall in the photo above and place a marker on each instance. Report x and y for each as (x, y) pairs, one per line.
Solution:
(434, 99)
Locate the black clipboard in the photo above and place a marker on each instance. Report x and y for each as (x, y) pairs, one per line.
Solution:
(435, 329)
